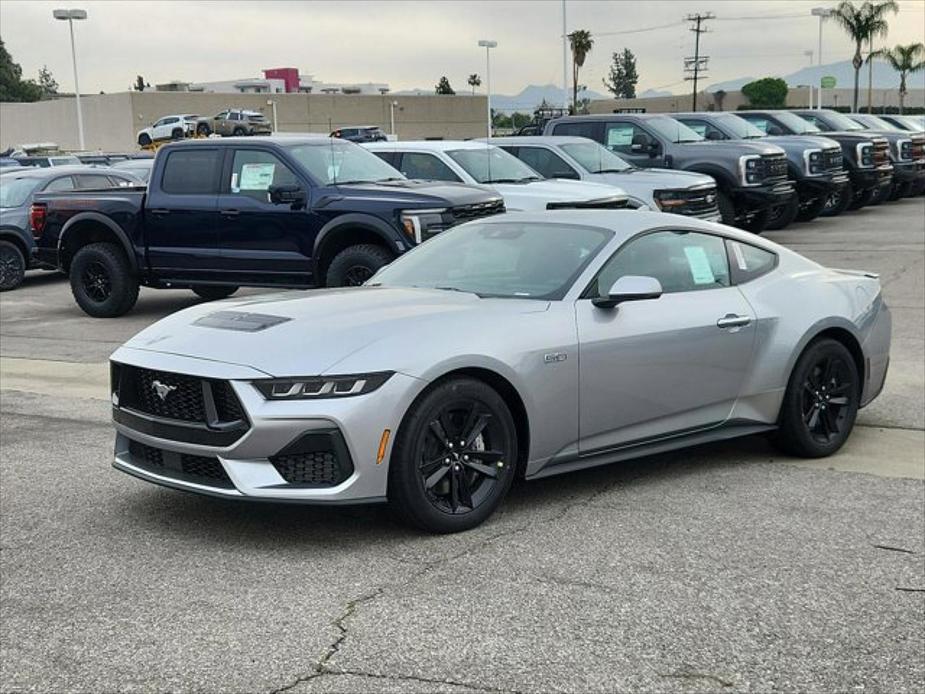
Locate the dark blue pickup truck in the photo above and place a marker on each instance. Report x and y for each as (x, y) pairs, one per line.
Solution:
(219, 214)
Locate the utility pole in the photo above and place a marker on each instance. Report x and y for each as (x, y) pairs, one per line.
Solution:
(696, 65)
(564, 62)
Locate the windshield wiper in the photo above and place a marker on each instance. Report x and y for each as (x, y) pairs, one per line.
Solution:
(505, 180)
(391, 178)
(457, 289)
(613, 170)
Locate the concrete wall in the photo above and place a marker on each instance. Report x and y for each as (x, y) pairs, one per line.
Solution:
(111, 120)
(797, 97)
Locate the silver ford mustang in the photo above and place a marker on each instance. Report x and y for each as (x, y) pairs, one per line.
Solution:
(520, 345)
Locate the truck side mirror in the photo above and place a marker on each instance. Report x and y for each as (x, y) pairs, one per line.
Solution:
(287, 195)
(774, 129)
(715, 135)
(565, 174)
(640, 143)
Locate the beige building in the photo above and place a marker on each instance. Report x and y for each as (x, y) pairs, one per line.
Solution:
(111, 121)
(797, 97)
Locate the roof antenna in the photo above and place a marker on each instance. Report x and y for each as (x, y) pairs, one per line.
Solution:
(333, 166)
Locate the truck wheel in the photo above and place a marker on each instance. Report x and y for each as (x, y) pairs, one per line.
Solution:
(356, 264)
(726, 209)
(237, 132)
(862, 199)
(782, 215)
(203, 130)
(899, 190)
(812, 209)
(213, 292)
(144, 140)
(102, 280)
(838, 201)
(12, 266)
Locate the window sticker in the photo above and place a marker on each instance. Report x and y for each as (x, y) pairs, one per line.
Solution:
(256, 176)
(699, 264)
(739, 255)
(234, 183)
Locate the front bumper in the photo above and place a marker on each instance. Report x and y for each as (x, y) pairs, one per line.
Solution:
(879, 177)
(908, 171)
(813, 186)
(761, 197)
(243, 468)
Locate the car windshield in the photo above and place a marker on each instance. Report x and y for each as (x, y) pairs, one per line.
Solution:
(338, 162)
(878, 123)
(15, 191)
(841, 122)
(738, 127)
(515, 260)
(595, 158)
(490, 164)
(672, 129)
(798, 125)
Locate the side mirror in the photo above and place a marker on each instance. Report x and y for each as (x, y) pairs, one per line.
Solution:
(565, 174)
(774, 130)
(629, 288)
(287, 195)
(714, 135)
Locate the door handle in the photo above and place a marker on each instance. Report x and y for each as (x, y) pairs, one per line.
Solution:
(160, 212)
(731, 320)
(230, 213)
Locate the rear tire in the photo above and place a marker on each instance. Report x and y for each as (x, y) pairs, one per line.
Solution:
(203, 130)
(12, 266)
(213, 292)
(144, 140)
(102, 280)
(821, 401)
(781, 216)
(356, 264)
(176, 134)
(454, 458)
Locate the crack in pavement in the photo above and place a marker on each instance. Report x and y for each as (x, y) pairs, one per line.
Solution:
(425, 680)
(690, 674)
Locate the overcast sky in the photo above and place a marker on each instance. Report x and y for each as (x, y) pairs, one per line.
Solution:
(411, 44)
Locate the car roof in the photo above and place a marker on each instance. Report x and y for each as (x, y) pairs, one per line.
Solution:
(50, 171)
(540, 140)
(252, 140)
(428, 145)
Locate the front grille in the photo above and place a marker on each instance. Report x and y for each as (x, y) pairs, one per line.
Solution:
(775, 167)
(832, 159)
(464, 213)
(317, 459)
(605, 204)
(179, 466)
(918, 147)
(183, 398)
(698, 202)
(881, 152)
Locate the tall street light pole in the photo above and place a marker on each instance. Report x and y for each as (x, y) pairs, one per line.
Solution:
(564, 62)
(822, 13)
(70, 16)
(488, 45)
(809, 54)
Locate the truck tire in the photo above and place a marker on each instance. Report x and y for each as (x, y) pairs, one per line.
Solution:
(781, 216)
(862, 199)
(144, 140)
(356, 264)
(12, 266)
(211, 292)
(839, 201)
(102, 280)
(203, 130)
(812, 209)
(237, 132)
(755, 223)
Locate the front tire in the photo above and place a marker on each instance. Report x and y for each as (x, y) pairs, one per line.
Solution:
(781, 216)
(203, 130)
(812, 209)
(821, 401)
(12, 266)
(356, 264)
(237, 132)
(144, 140)
(102, 281)
(213, 292)
(862, 199)
(839, 201)
(455, 457)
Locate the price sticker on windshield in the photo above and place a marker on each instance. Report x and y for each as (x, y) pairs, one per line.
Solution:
(256, 176)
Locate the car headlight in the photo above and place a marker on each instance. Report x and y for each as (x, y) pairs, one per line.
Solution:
(904, 150)
(865, 152)
(317, 387)
(812, 159)
(669, 200)
(750, 170)
(420, 225)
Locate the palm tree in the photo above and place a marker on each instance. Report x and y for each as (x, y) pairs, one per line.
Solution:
(474, 81)
(581, 43)
(905, 60)
(863, 24)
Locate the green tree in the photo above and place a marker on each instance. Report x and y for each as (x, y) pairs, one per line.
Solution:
(863, 23)
(905, 60)
(621, 82)
(768, 92)
(47, 83)
(581, 43)
(474, 81)
(443, 86)
(12, 85)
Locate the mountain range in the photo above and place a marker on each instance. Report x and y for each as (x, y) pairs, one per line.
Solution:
(885, 77)
(524, 101)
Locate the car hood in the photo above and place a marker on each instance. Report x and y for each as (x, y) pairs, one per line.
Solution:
(801, 142)
(641, 183)
(299, 333)
(535, 195)
(732, 147)
(416, 194)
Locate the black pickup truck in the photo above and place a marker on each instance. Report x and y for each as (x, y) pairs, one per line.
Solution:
(219, 214)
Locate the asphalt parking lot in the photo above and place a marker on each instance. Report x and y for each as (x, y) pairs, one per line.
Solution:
(722, 568)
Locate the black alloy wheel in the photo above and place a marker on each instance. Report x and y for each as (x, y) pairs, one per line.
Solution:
(356, 275)
(811, 209)
(95, 281)
(826, 391)
(12, 266)
(838, 201)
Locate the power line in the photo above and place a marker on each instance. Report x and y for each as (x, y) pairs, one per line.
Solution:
(636, 31)
(697, 64)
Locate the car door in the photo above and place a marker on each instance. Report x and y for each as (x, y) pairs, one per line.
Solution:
(258, 236)
(662, 366)
(632, 142)
(181, 214)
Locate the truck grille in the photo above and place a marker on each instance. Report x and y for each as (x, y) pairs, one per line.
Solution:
(832, 159)
(692, 202)
(881, 151)
(465, 213)
(179, 466)
(918, 147)
(775, 167)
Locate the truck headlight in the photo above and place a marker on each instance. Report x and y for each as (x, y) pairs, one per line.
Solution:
(865, 151)
(318, 387)
(420, 225)
(904, 150)
(812, 159)
(750, 171)
(669, 200)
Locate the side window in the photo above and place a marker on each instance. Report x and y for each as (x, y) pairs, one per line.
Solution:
(815, 121)
(159, 123)
(680, 261)
(253, 172)
(389, 158)
(119, 182)
(547, 162)
(759, 122)
(93, 181)
(168, 121)
(221, 116)
(234, 115)
(577, 129)
(426, 167)
(193, 171)
(747, 262)
(703, 129)
(62, 183)
(620, 137)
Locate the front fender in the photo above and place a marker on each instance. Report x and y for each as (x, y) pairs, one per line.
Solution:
(353, 221)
